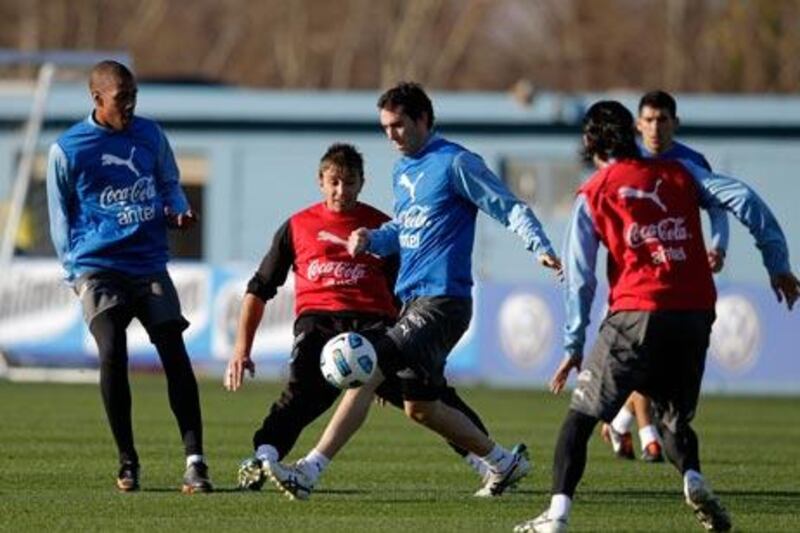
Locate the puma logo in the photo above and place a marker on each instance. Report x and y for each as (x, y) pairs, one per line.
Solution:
(330, 237)
(630, 192)
(406, 182)
(111, 159)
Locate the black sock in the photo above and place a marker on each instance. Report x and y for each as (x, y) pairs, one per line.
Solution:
(570, 456)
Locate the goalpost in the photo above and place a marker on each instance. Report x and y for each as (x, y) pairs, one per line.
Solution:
(23, 175)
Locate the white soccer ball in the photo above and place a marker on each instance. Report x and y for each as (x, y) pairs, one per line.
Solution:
(348, 360)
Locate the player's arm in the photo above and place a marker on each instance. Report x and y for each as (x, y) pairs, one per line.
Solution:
(177, 210)
(59, 193)
(739, 199)
(474, 181)
(262, 287)
(580, 258)
(720, 231)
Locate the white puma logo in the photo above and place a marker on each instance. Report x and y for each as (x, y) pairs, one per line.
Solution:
(630, 192)
(406, 182)
(111, 159)
(330, 237)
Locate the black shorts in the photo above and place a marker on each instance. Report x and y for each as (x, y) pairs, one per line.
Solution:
(661, 354)
(425, 333)
(152, 298)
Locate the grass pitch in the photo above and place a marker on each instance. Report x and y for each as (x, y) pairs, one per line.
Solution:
(57, 468)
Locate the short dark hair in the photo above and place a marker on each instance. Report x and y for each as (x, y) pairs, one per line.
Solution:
(411, 98)
(111, 68)
(343, 156)
(608, 132)
(659, 100)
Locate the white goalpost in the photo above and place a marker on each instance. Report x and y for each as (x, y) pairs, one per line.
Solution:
(27, 154)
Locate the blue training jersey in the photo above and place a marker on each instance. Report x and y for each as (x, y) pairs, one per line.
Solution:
(720, 229)
(107, 191)
(437, 192)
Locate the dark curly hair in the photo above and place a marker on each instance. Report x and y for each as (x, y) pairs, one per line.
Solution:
(345, 157)
(411, 98)
(608, 132)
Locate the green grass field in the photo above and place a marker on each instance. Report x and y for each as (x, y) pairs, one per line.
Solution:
(57, 468)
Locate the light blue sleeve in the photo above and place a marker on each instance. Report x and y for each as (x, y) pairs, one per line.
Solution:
(385, 240)
(740, 200)
(720, 229)
(580, 282)
(59, 191)
(168, 177)
(474, 181)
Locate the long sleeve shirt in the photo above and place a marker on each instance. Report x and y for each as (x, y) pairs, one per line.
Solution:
(438, 192)
(107, 191)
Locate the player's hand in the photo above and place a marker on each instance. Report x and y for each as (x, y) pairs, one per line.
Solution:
(605, 433)
(716, 259)
(561, 374)
(553, 262)
(182, 221)
(358, 241)
(786, 286)
(234, 374)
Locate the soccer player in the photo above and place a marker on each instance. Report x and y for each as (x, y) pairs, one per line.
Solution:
(438, 187)
(657, 122)
(334, 293)
(113, 189)
(661, 301)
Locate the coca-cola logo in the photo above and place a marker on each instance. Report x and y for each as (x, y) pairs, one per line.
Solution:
(342, 271)
(142, 190)
(414, 217)
(671, 229)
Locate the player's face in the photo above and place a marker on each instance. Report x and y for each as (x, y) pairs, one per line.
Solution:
(406, 135)
(340, 188)
(114, 103)
(657, 127)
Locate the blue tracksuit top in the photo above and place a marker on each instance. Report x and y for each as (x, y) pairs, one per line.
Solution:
(107, 191)
(437, 192)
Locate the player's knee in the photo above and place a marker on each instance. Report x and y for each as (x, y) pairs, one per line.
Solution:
(168, 333)
(419, 412)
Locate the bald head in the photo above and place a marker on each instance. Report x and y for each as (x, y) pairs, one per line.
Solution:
(113, 90)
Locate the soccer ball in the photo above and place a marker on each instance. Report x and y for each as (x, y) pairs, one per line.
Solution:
(348, 360)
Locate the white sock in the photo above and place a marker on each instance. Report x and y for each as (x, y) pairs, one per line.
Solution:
(623, 421)
(647, 435)
(560, 504)
(477, 464)
(267, 453)
(194, 458)
(313, 464)
(499, 459)
(693, 477)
